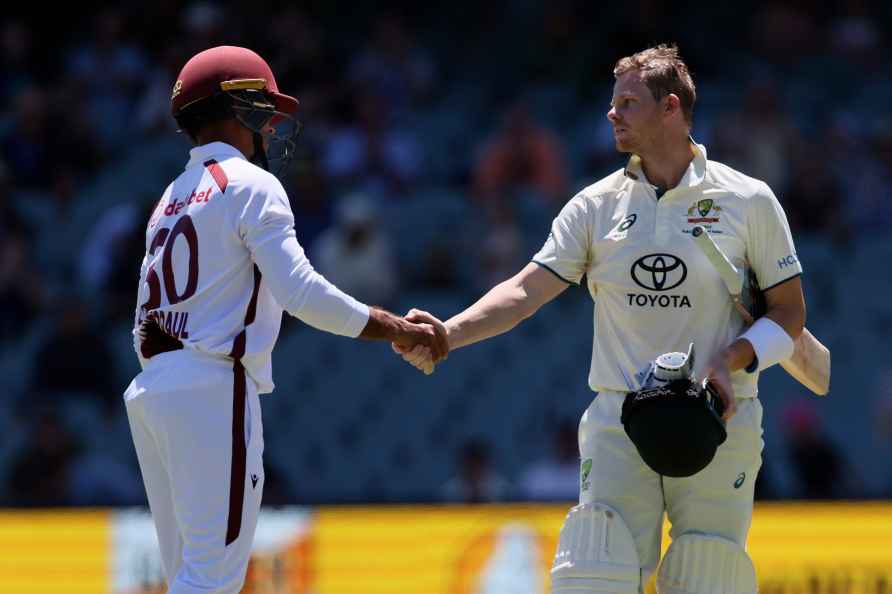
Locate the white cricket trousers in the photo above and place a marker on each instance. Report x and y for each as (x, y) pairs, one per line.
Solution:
(717, 500)
(198, 434)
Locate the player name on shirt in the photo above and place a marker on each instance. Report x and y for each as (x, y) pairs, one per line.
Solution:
(172, 322)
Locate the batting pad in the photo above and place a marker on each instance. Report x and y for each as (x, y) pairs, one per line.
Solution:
(596, 554)
(706, 564)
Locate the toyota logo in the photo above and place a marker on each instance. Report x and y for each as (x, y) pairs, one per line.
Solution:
(659, 272)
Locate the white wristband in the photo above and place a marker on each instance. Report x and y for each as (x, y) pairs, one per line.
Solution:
(770, 341)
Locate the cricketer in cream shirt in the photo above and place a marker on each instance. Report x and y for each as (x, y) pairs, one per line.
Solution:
(654, 290)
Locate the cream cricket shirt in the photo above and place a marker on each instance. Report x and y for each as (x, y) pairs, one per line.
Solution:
(654, 291)
(222, 262)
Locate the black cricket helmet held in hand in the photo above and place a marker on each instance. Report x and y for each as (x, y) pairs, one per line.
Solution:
(674, 421)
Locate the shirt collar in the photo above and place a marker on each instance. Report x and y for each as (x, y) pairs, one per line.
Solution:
(212, 150)
(694, 176)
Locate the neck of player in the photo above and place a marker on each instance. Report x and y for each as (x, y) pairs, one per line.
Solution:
(665, 163)
(231, 132)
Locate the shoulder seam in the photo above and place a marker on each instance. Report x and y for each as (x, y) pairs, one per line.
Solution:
(737, 193)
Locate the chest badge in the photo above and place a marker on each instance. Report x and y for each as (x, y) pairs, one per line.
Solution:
(707, 210)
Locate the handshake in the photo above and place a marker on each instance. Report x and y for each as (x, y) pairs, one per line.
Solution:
(424, 343)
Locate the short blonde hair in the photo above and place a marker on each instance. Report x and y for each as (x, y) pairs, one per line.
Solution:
(664, 72)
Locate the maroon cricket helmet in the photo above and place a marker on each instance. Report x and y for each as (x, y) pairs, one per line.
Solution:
(227, 68)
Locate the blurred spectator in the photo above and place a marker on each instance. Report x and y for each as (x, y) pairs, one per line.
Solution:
(366, 151)
(41, 474)
(501, 250)
(55, 233)
(476, 481)
(883, 427)
(308, 60)
(392, 67)
(356, 254)
(40, 140)
(555, 478)
(113, 252)
(867, 206)
(101, 248)
(817, 463)
(74, 359)
(758, 138)
(152, 108)
(25, 146)
(814, 198)
(856, 35)
(205, 25)
(107, 472)
(55, 468)
(21, 295)
(21, 291)
(596, 146)
(782, 32)
(311, 202)
(522, 154)
(109, 72)
(442, 268)
(16, 42)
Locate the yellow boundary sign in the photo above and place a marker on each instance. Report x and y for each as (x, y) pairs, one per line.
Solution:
(814, 548)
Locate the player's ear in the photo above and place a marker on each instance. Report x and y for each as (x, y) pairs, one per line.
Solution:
(671, 104)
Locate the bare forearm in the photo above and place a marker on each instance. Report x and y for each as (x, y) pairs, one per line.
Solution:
(500, 310)
(383, 325)
(789, 317)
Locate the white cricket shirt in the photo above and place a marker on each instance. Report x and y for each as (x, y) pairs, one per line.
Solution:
(654, 291)
(222, 262)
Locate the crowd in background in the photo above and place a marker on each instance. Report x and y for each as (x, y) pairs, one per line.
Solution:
(499, 104)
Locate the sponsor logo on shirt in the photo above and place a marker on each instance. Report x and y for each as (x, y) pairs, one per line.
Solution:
(621, 230)
(659, 272)
(704, 211)
(787, 261)
(664, 301)
(175, 206)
